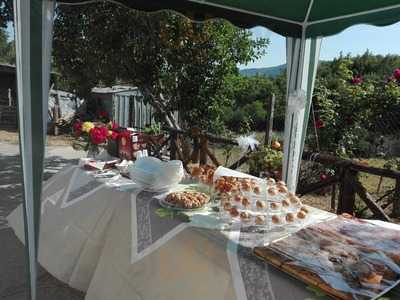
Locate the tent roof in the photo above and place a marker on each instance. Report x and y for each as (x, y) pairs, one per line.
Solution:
(286, 17)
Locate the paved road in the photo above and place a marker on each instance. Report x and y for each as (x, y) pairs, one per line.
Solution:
(12, 259)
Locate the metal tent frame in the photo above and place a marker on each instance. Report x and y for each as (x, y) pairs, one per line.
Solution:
(303, 22)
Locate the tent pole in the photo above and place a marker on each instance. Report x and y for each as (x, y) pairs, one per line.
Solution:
(33, 21)
(302, 62)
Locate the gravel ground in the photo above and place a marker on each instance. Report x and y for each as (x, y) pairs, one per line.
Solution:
(12, 254)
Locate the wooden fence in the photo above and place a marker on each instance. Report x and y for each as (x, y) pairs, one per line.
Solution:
(347, 180)
(345, 184)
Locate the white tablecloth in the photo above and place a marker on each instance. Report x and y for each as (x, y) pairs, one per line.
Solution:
(100, 241)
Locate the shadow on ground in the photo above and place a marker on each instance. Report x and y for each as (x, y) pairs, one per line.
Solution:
(12, 253)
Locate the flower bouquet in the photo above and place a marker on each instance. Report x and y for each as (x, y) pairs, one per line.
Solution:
(92, 136)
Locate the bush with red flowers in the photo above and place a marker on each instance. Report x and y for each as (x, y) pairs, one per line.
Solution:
(396, 74)
(357, 79)
(319, 124)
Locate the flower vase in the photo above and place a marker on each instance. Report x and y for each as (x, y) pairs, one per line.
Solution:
(93, 151)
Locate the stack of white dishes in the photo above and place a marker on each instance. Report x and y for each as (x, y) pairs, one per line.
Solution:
(154, 175)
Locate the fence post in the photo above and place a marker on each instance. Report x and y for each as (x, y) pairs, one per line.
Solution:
(173, 146)
(195, 157)
(396, 199)
(270, 120)
(9, 98)
(347, 193)
(333, 197)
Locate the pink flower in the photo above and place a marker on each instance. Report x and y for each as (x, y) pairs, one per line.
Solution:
(319, 124)
(98, 135)
(396, 74)
(357, 79)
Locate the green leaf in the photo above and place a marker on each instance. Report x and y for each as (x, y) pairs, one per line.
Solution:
(316, 291)
(165, 213)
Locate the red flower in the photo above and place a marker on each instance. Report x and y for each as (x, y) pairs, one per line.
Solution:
(357, 79)
(114, 135)
(98, 135)
(319, 124)
(323, 177)
(103, 114)
(77, 127)
(396, 74)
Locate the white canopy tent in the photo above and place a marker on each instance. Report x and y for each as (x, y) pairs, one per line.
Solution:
(305, 22)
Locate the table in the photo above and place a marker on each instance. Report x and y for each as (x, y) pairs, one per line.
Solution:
(116, 244)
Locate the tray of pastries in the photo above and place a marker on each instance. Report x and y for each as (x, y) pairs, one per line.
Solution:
(347, 258)
(258, 202)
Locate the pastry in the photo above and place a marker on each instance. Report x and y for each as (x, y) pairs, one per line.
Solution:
(276, 220)
(275, 205)
(227, 206)
(260, 204)
(246, 202)
(281, 183)
(294, 199)
(285, 203)
(272, 191)
(246, 186)
(304, 209)
(270, 181)
(245, 216)
(238, 198)
(372, 278)
(301, 214)
(257, 190)
(196, 172)
(282, 189)
(234, 212)
(260, 220)
(290, 218)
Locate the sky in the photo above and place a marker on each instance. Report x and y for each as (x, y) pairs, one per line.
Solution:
(354, 40)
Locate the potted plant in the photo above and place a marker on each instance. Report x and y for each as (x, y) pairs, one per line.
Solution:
(266, 161)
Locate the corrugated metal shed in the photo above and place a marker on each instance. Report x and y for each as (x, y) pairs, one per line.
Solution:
(126, 105)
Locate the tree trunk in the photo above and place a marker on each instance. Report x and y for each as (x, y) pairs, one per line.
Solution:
(347, 193)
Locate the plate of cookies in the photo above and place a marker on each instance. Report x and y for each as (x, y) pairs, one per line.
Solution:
(185, 200)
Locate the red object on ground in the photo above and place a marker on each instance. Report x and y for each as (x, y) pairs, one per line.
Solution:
(125, 148)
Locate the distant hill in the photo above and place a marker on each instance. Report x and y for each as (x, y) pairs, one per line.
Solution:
(269, 72)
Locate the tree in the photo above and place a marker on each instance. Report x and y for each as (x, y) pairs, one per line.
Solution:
(7, 49)
(6, 12)
(177, 64)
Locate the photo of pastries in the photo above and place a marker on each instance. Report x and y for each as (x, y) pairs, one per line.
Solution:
(348, 259)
